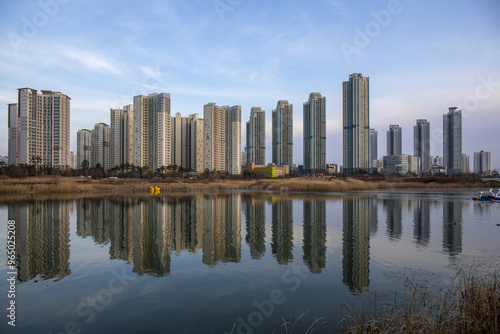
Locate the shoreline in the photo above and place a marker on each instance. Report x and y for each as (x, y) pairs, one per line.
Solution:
(77, 185)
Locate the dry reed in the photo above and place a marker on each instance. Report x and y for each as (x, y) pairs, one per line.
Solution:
(471, 305)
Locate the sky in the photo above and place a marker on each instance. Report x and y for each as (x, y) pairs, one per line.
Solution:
(422, 57)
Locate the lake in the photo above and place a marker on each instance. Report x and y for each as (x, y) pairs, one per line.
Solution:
(203, 263)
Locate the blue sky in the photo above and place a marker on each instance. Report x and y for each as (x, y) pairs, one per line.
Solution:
(421, 56)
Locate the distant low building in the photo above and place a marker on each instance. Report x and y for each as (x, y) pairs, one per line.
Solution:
(270, 170)
(333, 169)
(401, 164)
(438, 169)
(4, 161)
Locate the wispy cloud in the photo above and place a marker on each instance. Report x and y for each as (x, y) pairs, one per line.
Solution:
(93, 61)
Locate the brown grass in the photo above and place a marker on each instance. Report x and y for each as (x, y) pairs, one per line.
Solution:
(61, 185)
(471, 305)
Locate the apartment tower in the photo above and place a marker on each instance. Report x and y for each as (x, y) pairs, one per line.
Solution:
(152, 131)
(100, 146)
(394, 142)
(372, 148)
(84, 147)
(42, 128)
(452, 141)
(13, 132)
(121, 136)
(356, 123)
(314, 134)
(256, 137)
(282, 137)
(422, 143)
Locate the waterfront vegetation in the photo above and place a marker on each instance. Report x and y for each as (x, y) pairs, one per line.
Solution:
(470, 305)
(68, 185)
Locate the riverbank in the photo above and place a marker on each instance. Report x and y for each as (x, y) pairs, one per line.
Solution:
(74, 185)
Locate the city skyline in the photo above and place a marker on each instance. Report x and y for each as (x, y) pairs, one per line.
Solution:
(244, 55)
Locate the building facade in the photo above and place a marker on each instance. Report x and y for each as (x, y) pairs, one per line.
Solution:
(465, 163)
(394, 142)
(315, 134)
(13, 133)
(121, 136)
(356, 123)
(233, 140)
(282, 136)
(422, 143)
(256, 137)
(100, 146)
(222, 138)
(482, 163)
(373, 148)
(43, 128)
(84, 148)
(152, 131)
(401, 164)
(452, 141)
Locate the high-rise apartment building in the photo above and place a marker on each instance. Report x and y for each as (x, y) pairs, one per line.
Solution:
(176, 142)
(56, 134)
(43, 128)
(465, 163)
(282, 136)
(315, 134)
(100, 146)
(394, 142)
(121, 136)
(452, 141)
(356, 122)
(222, 138)
(233, 139)
(152, 131)
(422, 143)
(372, 147)
(482, 162)
(84, 147)
(256, 137)
(196, 143)
(13, 132)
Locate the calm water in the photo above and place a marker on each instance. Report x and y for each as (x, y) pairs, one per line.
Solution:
(199, 264)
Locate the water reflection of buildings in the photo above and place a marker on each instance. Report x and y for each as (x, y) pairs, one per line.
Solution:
(42, 239)
(356, 242)
(394, 217)
(146, 232)
(452, 227)
(282, 231)
(255, 222)
(314, 234)
(421, 222)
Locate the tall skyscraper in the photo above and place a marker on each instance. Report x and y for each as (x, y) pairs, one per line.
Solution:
(283, 134)
(422, 143)
(482, 162)
(465, 163)
(56, 135)
(315, 133)
(84, 147)
(43, 128)
(196, 145)
(256, 136)
(394, 143)
(356, 122)
(452, 141)
(222, 138)
(152, 132)
(233, 139)
(100, 146)
(121, 136)
(176, 142)
(13, 132)
(373, 147)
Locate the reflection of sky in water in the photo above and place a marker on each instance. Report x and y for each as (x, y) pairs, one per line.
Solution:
(195, 264)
